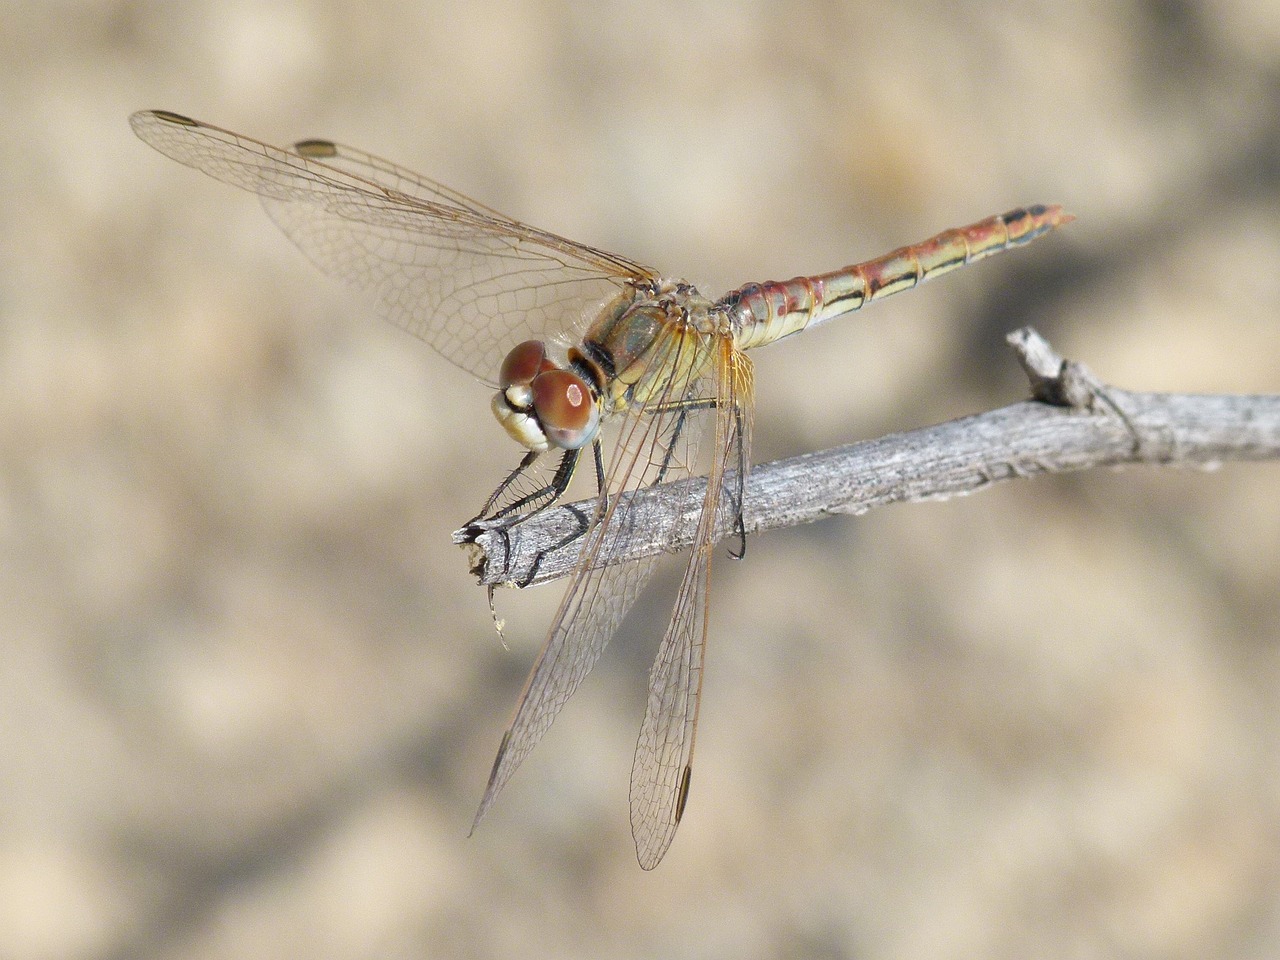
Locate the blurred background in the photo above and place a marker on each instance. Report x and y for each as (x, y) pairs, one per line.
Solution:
(249, 695)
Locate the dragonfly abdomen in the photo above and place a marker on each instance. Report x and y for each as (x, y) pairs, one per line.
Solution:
(765, 312)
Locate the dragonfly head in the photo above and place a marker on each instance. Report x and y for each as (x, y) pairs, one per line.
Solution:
(542, 405)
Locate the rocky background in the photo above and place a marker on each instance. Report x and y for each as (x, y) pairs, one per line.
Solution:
(249, 695)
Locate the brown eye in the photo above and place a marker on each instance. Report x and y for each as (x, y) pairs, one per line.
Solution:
(523, 363)
(565, 408)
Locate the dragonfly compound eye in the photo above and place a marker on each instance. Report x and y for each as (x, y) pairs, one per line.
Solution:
(519, 368)
(565, 408)
(523, 363)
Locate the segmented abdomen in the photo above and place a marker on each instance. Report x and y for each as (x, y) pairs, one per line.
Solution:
(764, 312)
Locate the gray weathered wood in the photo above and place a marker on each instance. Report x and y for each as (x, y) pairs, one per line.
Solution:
(1074, 423)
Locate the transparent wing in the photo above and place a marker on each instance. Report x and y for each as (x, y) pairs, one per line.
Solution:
(653, 445)
(463, 277)
(663, 762)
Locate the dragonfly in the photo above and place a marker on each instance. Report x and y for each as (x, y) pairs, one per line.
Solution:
(593, 358)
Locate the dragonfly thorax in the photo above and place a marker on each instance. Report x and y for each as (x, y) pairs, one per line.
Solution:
(542, 405)
(634, 340)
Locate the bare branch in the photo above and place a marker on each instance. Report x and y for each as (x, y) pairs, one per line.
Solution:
(1074, 423)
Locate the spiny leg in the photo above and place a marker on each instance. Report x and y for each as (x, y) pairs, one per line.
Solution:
(598, 454)
(549, 492)
(684, 406)
(525, 463)
(740, 484)
(584, 523)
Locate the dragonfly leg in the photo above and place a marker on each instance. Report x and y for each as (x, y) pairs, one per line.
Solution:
(541, 498)
(683, 407)
(525, 463)
(740, 485)
(598, 455)
(584, 522)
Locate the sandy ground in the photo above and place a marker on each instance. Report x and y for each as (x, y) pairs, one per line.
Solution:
(248, 693)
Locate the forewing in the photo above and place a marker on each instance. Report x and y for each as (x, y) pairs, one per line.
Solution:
(655, 444)
(661, 771)
(463, 277)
